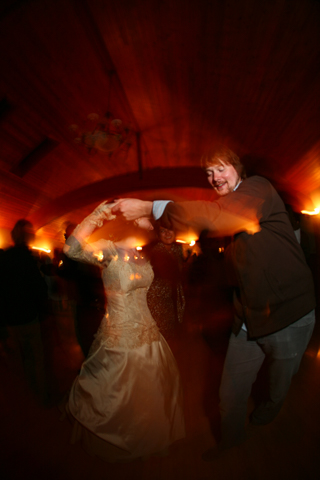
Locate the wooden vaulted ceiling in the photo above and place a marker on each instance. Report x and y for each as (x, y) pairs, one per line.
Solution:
(181, 74)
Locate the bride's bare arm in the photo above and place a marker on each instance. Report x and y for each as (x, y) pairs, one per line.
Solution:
(89, 224)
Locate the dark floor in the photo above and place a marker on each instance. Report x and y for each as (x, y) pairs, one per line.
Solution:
(35, 441)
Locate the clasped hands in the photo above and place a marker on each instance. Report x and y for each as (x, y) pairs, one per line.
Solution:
(138, 211)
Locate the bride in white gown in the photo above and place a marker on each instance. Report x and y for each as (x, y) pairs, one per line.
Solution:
(127, 398)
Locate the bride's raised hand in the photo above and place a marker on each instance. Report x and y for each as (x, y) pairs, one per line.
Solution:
(143, 222)
(104, 211)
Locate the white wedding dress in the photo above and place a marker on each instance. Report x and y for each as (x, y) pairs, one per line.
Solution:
(127, 399)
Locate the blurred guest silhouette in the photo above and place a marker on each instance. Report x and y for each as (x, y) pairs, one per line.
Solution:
(165, 297)
(3, 327)
(23, 297)
(294, 218)
(56, 291)
(85, 292)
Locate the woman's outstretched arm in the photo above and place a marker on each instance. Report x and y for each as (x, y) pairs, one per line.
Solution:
(75, 246)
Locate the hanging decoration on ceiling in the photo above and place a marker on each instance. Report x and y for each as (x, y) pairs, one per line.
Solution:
(107, 134)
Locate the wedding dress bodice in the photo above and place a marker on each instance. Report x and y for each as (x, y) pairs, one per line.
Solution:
(127, 322)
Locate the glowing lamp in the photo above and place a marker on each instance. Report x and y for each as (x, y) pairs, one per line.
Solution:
(41, 249)
(308, 212)
(99, 256)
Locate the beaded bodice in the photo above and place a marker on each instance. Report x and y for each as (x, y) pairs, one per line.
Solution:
(127, 322)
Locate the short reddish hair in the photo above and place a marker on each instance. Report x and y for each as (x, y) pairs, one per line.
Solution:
(219, 154)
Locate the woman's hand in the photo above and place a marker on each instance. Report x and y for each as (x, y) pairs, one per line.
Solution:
(143, 222)
(104, 211)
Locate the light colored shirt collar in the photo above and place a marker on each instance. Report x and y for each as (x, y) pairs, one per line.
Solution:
(235, 188)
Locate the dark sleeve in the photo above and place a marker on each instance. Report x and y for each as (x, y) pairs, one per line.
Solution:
(237, 212)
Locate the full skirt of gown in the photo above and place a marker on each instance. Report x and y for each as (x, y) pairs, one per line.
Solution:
(127, 400)
(128, 403)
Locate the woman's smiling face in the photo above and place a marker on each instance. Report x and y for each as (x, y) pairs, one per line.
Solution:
(166, 236)
(223, 177)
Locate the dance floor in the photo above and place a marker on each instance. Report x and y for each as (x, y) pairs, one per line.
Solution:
(35, 441)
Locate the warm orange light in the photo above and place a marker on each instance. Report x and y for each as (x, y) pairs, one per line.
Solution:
(138, 248)
(252, 228)
(307, 212)
(41, 249)
(99, 256)
(189, 242)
